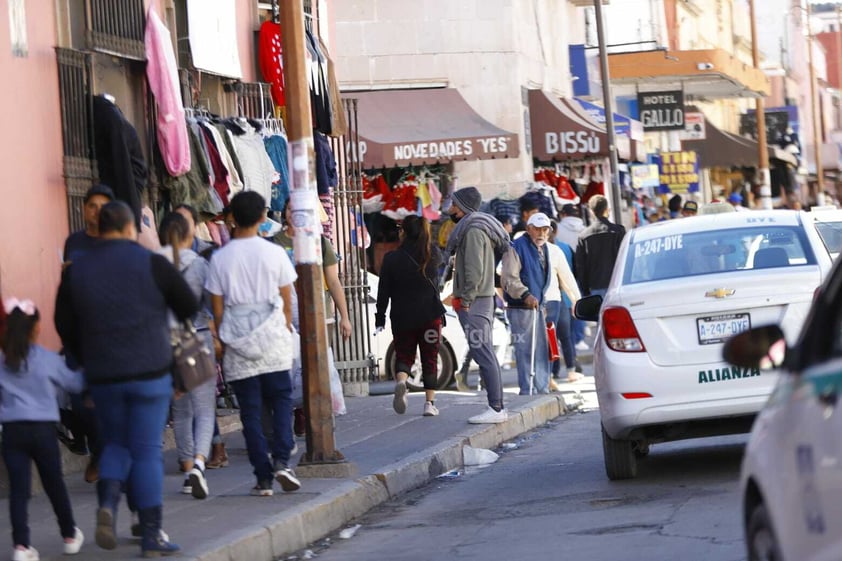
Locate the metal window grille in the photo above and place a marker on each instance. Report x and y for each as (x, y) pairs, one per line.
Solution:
(75, 78)
(354, 360)
(116, 27)
(256, 101)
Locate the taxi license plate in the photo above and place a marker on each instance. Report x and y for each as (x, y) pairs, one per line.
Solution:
(715, 329)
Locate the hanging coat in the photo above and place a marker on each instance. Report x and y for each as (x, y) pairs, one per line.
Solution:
(162, 75)
(118, 154)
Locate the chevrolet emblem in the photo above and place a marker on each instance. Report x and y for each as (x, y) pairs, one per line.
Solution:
(720, 292)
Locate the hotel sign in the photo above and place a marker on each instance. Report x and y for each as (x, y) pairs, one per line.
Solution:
(661, 111)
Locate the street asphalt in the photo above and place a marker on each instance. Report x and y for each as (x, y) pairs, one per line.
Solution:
(390, 453)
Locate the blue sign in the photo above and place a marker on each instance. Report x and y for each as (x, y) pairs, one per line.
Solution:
(679, 171)
(584, 68)
(622, 125)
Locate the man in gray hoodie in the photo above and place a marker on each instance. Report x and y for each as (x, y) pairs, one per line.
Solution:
(570, 227)
(478, 242)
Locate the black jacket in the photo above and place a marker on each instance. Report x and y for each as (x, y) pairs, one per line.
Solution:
(596, 253)
(415, 297)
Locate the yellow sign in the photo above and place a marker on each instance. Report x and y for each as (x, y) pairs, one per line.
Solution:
(679, 172)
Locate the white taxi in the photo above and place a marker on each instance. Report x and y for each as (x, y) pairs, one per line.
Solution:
(680, 289)
(791, 479)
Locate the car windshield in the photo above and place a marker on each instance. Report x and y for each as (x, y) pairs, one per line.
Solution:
(718, 251)
(831, 234)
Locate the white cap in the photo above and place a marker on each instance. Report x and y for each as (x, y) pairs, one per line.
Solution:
(539, 220)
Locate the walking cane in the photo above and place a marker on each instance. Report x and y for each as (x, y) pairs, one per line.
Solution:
(532, 356)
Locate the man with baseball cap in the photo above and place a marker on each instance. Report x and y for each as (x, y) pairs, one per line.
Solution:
(736, 201)
(690, 208)
(80, 419)
(526, 278)
(476, 243)
(80, 241)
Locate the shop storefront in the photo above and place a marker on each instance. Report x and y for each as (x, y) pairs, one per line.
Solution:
(406, 144)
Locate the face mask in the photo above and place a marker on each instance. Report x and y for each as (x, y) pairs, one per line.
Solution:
(455, 218)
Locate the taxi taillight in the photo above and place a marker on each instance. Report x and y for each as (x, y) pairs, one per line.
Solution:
(619, 331)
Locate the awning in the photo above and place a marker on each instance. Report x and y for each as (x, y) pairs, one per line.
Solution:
(563, 130)
(722, 149)
(701, 74)
(401, 128)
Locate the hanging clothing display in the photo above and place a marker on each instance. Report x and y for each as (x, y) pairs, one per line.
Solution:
(258, 172)
(271, 60)
(193, 188)
(330, 212)
(162, 75)
(326, 174)
(222, 141)
(277, 148)
(219, 173)
(338, 119)
(119, 156)
(319, 91)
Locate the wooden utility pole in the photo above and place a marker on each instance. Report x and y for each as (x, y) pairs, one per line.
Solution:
(815, 100)
(763, 177)
(321, 447)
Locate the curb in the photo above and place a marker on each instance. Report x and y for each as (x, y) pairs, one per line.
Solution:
(311, 521)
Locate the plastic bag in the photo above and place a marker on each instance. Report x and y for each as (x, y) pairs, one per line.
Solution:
(336, 395)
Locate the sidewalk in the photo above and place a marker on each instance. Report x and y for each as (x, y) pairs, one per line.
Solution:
(392, 454)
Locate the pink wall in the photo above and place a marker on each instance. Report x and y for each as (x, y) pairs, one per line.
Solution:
(33, 213)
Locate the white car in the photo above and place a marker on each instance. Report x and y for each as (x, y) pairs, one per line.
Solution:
(679, 289)
(791, 479)
(452, 351)
(828, 223)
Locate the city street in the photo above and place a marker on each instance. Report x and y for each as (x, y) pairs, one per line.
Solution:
(547, 497)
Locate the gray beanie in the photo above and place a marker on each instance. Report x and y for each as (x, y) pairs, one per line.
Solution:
(467, 199)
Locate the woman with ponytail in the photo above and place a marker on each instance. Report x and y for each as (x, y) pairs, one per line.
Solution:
(194, 413)
(30, 378)
(409, 279)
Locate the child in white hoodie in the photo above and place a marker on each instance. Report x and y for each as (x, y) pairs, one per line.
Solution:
(30, 378)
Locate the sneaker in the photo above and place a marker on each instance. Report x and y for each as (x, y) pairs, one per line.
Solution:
(462, 382)
(294, 450)
(490, 416)
(187, 487)
(198, 483)
(28, 554)
(430, 410)
(574, 376)
(399, 402)
(582, 346)
(553, 386)
(262, 489)
(286, 477)
(73, 546)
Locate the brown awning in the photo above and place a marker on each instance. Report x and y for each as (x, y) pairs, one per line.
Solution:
(562, 130)
(722, 149)
(401, 128)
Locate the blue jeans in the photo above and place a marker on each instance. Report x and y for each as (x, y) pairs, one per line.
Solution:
(522, 325)
(276, 389)
(132, 416)
(23, 443)
(558, 313)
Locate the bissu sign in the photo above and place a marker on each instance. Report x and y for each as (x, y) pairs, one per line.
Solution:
(661, 111)
(572, 143)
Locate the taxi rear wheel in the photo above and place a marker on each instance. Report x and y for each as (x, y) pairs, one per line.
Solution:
(760, 536)
(619, 456)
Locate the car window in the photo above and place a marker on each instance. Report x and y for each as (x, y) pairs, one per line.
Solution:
(711, 252)
(831, 234)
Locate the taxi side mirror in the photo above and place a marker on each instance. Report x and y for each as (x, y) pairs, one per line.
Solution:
(761, 347)
(587, 308)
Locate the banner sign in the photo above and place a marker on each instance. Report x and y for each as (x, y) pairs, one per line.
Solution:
(679, 171)
(694, 127)
(645, 175)
(661, 111)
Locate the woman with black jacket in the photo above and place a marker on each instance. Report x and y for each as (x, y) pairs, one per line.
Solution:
(408, 277)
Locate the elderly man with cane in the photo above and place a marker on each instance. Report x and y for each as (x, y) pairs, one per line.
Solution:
(526, 277)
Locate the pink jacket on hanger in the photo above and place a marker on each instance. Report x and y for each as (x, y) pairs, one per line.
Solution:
(162, 74)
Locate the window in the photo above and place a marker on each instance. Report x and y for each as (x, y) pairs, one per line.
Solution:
(705, 253)
(116, 27)
(74, 77)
